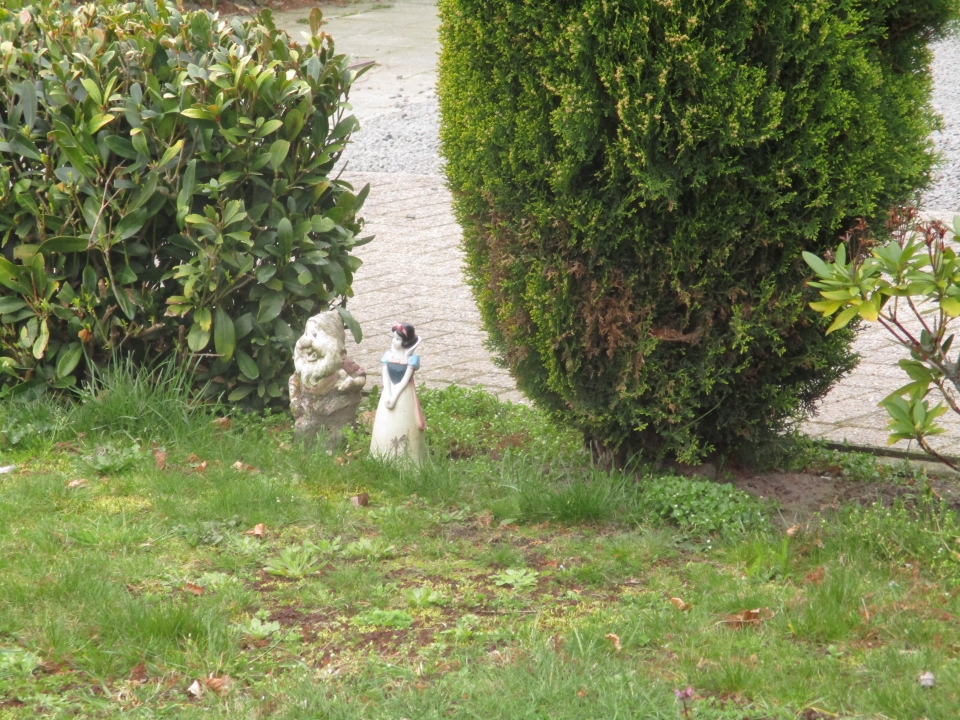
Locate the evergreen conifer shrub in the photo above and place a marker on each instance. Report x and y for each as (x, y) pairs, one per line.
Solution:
(166, 189)
(636, 181)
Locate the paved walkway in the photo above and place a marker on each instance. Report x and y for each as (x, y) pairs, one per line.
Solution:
(413, 270)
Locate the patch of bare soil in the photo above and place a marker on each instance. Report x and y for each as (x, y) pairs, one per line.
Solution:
(804, 494)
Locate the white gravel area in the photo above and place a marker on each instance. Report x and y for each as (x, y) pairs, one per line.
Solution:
(405, 139)
(945, 192)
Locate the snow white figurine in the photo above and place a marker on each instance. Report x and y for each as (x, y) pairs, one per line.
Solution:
(399, 424)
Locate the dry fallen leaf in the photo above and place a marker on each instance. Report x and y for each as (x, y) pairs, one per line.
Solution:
(243, 467)
(259, 530)
(196, 689)
(283, 446)
(582, 693)
(360, 500)
(615, 641)
(748, 618)
(78, 483)
(680, 604)
(196, 464)
(793, 530)
(220, 685)
(139, 673)
(927, 680)
(223, 423)
(816, 576)
(51, 667)
(485, 519)
(193, 589)
(557, 643)
(160, 458)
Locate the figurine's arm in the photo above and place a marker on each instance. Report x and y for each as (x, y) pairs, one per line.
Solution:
(387, 388)
(399, 388)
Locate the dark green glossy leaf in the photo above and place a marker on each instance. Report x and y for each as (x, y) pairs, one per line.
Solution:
(246, 364)
(285, 238)
(69, 360)
(351, 324)
(270, 307)
(278, 153)
(224, 334)
(120, 146)
(11, 304)
(64, 244)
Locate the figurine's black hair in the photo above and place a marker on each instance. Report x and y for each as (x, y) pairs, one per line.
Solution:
(407, 334)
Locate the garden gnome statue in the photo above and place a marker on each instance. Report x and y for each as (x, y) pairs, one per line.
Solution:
(325, 385)
(399, 424)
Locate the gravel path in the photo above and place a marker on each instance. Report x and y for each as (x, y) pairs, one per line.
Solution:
(405, 139)
(945, 193)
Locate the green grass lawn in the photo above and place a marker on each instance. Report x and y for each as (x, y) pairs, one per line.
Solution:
(506, 579)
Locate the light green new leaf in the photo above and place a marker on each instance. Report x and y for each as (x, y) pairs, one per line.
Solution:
(196, 113)
(98, 122)
(950, 306)
(827, 307)
(843, 319)
(197, 338)
(203, 318)
(171, 153)
(43, 338)
(870, 310)
(92, 90)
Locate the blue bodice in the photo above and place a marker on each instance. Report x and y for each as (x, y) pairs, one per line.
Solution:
(397, 370)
